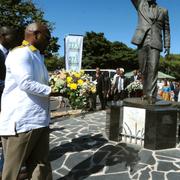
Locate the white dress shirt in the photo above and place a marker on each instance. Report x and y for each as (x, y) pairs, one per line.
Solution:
(25, 99)
(179, 96)
(120, 84)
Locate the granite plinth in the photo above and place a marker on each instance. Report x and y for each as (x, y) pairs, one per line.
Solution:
(160, 128)
(138, 102)
(113, 117)
(160, 123)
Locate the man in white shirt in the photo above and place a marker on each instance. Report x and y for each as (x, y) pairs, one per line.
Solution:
(116, 75)
(119, 88)
(24, 122)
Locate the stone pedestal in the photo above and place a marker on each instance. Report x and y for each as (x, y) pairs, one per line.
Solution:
(158, 125)
(113, 123)
(160, 128)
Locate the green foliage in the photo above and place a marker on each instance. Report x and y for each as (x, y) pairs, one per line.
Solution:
(20, 13)
(98, 51)
(54, 62)
(171, 65)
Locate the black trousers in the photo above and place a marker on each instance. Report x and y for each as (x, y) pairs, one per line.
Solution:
(120, 95)
(101, 98)
(148, 64)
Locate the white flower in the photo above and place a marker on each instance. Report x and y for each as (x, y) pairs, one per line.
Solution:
(134, 86)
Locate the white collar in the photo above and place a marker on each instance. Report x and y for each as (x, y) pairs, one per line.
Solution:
(3, 49)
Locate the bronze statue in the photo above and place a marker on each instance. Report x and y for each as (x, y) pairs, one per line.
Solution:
(153, 24)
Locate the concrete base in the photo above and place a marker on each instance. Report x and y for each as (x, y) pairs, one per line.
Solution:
(160, 123)
(160, 128)
(113, 123)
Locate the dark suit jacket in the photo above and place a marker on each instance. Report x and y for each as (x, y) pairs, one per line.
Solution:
(100, 83)
(158, 25)
(2, 66)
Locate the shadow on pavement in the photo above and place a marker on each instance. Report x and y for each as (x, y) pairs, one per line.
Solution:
(77, 145)
(108, 155)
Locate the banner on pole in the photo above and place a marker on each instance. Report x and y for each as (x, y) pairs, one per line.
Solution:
(73, 52)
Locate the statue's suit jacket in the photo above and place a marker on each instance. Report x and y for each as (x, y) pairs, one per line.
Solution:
(158, 25)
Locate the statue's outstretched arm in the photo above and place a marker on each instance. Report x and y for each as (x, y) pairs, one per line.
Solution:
(136, 3)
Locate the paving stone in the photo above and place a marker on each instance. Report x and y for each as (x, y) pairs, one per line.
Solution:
(119, 167)
(157, 175)
(63, 171)
(137, 168)
(165, 158)
(166, 166)
(175, 153)
(178, 164)
(135, 177)
(79, 160)
(57, 162)
(146, 157)
(173, 176)
(100, 157)
(145, 174)
(118, 176)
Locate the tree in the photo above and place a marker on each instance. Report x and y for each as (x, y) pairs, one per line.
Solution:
(53, 63)
(98, 51)
(95, 49)
(171, 65)
(20, 13)
(123, 56)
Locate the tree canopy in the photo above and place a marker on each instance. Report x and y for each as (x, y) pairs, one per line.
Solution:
(20, 13)
(98, 51)
(171, 65)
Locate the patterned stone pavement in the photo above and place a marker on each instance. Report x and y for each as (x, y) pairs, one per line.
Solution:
(79, 150)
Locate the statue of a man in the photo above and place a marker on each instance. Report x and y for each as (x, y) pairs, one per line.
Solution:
(153, 24)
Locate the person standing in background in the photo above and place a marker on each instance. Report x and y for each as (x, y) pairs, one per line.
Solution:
(119, 88)
(107, 87)
(7, 41)
(98, 78)
(25, 116)
(135, 76)
(114, 77)
(166, 91)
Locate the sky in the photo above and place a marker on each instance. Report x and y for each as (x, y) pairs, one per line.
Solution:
(117, 19)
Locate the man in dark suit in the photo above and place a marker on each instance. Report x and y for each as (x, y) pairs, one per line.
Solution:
(119, 88)
(135, 76)
(152, 22)
(98, 77)
(7, 41)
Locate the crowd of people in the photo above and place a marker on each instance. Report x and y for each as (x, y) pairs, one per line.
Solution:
(169, 90)
(116, 89)
(112, 89)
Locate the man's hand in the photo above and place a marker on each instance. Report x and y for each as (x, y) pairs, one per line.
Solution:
(167, 51)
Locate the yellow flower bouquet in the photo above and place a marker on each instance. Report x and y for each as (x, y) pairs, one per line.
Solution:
(76, 86)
